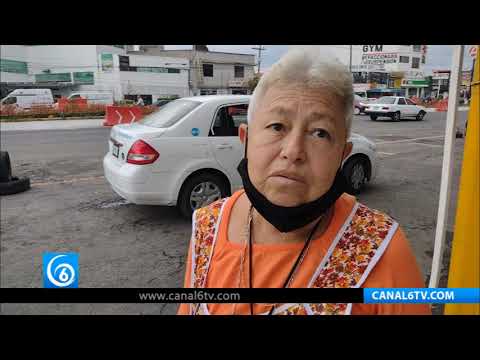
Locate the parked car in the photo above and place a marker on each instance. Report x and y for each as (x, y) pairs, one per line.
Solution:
(26, 98)
(102, 98)
(162, 102)
(395, 107)
(360, 104)
(186, 154)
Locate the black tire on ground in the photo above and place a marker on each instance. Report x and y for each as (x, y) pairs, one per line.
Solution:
(396, 116)
(14, 186)
(184, 205)
(420, 115)
(373, 117)
(5, 167)
(352, 170)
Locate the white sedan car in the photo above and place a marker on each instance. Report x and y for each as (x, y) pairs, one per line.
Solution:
(394, 107)
(187, 152)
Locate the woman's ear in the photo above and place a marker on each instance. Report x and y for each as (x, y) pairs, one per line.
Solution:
(348, 149)
(242, 132)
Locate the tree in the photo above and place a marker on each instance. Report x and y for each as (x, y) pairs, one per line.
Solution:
(253, 82)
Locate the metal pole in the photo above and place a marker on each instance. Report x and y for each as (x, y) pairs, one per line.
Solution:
(447, 167)
(350, 67)
(260, 48)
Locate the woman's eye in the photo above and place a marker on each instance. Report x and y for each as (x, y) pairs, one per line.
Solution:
(276, 127)
(321, 133)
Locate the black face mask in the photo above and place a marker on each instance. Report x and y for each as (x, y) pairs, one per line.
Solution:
(286, 218)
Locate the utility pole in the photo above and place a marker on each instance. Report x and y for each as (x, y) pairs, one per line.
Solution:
(260, 48)
(350, 67)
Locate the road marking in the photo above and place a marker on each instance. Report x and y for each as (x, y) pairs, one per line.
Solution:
(409, 140)
(67, 181)
(385, 153)
(416, 143)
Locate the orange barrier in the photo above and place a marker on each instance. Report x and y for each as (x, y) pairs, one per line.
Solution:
(77, 104)
(122, 115)
(442, 105)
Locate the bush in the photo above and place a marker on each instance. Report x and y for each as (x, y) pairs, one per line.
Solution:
(42, 111)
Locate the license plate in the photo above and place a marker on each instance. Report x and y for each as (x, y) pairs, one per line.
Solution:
(115, 150)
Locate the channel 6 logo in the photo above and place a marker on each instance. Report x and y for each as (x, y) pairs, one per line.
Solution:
(60, 270)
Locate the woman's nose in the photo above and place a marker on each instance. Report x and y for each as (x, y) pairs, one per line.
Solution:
(293, 147)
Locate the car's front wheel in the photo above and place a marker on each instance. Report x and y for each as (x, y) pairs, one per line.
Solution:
(356, 172)
(201, 190)
(420, 115)
(356, 111)
(396, 116)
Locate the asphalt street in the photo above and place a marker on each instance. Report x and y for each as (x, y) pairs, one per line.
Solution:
(71, 207)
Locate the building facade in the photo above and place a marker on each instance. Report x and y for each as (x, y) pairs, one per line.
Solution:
(213, 72)
(385, 66)
(102, 68)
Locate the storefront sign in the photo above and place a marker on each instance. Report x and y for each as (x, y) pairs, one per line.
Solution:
(13, 66)
(414, 75)
(441, 76)
(236, 83)
(84, 77)
(372, 48)
(107, 62)
(60, 77)
(380, 58)
(414, 83)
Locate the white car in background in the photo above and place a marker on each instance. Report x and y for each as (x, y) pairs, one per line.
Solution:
(187, 152)
(396, 108)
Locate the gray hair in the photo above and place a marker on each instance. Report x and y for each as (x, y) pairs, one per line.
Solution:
(312, 69)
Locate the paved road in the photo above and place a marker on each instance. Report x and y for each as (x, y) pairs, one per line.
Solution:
(71, 208)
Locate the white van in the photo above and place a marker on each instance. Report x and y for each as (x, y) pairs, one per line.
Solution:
(25, 98)
(104, 98)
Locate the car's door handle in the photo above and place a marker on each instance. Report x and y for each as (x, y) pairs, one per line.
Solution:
(224, 146)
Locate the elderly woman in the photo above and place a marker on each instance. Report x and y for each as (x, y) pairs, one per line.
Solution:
(292, 225)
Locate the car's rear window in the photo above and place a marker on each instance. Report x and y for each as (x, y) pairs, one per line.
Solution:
(170, 113)
(385, 100)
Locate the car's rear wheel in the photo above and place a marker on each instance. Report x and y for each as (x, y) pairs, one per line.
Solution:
(5, 167)
(373, 117)
(356, 111)
(14, 186)
(201, 190)
(356, 172)
(420, 115)
(396, 116)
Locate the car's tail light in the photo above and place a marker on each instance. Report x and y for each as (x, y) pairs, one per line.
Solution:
(385, 108)
(141, 153)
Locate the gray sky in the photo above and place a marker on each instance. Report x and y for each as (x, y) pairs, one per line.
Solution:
(438, 56)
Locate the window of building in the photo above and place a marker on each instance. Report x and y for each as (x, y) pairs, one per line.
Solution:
(228, 119)
(404, 59)
(417, 48)
(423, 59)
(239, 71)
(124, 63)
(208, 92)
(208, 70)
(173, 71)
(415, 63)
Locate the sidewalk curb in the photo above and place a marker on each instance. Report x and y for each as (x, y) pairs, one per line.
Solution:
(460, 108)
(51, 119)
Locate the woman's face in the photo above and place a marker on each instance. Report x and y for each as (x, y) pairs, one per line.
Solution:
(296, 143)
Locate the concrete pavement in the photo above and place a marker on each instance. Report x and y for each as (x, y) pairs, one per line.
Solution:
(51, 125)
